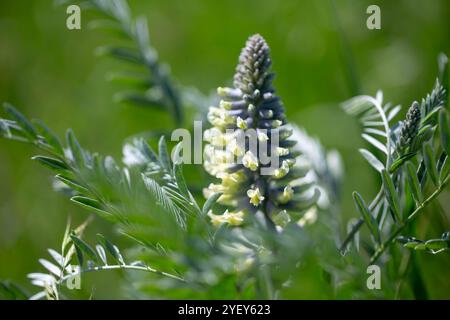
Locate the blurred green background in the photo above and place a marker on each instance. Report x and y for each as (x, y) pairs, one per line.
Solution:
(51, 73)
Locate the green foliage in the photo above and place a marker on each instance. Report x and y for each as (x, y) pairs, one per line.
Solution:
(11, 291)
(433, 246)
(58, 271)
(152, 85)
(147, 198)
(170, 241)
(61, 270)
(414, 151)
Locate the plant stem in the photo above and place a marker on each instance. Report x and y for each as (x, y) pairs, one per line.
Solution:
(410, 218)
(126, 267)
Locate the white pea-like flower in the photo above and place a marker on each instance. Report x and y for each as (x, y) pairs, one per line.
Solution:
(249, 160)
(231, 218)
(255, 196)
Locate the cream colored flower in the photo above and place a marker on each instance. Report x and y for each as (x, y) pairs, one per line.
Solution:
(234, 147)
(226, 91)
(276, 123)
(240, 123)
(227, 197)
(255, 196)
(262, 137)
(282, 151)
(234, 219)
(250, 161)
(215, 137)
(231, 180)
(282, 171)
(225, 104)
(219, 117)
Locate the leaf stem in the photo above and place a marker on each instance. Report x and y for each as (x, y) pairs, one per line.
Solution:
(126, 267)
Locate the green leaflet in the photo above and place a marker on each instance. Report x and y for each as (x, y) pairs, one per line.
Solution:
(181, 182)
(101, 254)
(22, 121)
(164, 157)
(51, 163)
(50, 137)
(84, 247)
(430, 163)
(72, 183)
(431, 116)
(414, 182)
(373, 161)
(367, 216)
(400, 161)
(111, 248)
(91, 204)
(75, 149)
(125, 54)
(391, 195)
(210, 203)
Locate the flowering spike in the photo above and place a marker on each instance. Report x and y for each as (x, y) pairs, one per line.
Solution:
(252, 106)
(410, 126)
